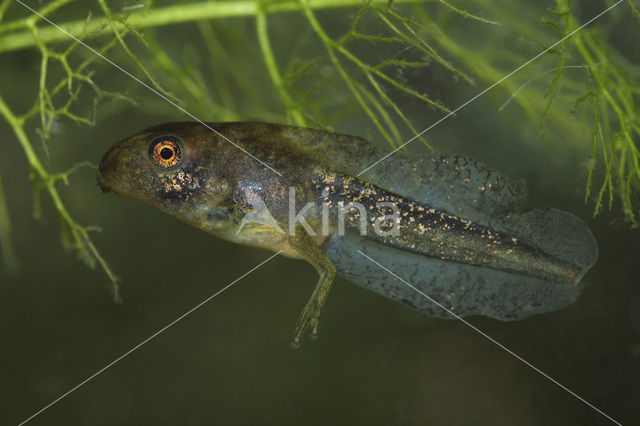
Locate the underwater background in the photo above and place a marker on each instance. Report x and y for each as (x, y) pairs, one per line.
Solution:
(376, 361)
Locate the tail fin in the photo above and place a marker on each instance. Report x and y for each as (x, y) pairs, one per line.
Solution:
(556, 233)
(465, 289)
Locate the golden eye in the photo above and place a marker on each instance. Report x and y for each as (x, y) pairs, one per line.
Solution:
(166, 152)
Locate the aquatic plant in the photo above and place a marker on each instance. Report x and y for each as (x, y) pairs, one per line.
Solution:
(326, 75)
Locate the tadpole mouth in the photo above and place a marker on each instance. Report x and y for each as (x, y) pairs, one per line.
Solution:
(102, 184)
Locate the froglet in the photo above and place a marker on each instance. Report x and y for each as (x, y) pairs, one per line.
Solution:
(450, 226)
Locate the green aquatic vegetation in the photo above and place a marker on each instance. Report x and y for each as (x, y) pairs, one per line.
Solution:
(373, 100)
(331, 59)
(613, 92)
(608, 80)
(614, 95)
(54, 102)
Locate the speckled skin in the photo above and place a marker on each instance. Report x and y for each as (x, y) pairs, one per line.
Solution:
(438, 234)
(207, 189)
(451, 209)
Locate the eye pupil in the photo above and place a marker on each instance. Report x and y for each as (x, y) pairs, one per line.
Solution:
(166, 153)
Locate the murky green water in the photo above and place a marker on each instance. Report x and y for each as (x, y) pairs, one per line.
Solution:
(229, 362)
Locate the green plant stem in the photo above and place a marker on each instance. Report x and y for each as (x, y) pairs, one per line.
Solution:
(328, 43)
(10, 261)
(174, 14)
(3, 7)
(79, 234)
(272, 67)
